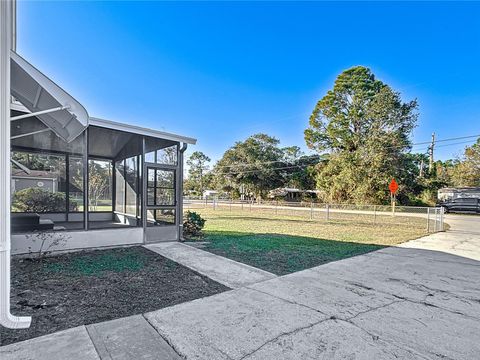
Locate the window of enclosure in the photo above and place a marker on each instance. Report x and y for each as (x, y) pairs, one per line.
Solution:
(161, 217)
(38, 182)
(99, 185)
(75, 183)
(167, 156)
(127, 186)
(120, 186)
(132, 186)
(161, 151)
(150, 157)
(165, 216)
(160, 187)
(46, 178)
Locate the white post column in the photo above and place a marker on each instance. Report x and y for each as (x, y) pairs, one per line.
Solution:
(6, 318)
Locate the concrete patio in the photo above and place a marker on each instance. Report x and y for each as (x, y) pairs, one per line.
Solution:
(404, 302)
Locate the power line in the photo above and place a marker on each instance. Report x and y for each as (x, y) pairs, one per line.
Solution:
(457, 143)
(306, 165)
(436, 141)
(444, 145)
(260, 170)
(306, 157)
(449, 139)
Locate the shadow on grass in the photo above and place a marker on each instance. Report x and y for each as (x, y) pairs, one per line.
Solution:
(282, 254)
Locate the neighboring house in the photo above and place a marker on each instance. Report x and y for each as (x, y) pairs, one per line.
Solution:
(45, 180)
(292, 194)
(458, 192)
(210, 194)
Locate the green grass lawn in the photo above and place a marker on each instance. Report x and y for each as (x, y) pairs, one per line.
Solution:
(284, 244)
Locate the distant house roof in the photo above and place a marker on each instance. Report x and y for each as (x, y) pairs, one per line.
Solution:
(210, 191)
(34, 174)
(460, 189)
(285, 191)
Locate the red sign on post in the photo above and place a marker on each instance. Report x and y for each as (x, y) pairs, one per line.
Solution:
(393, 186)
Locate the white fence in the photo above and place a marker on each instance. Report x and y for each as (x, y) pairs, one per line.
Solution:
(430, 218)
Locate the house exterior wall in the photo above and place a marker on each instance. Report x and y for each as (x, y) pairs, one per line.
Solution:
(19, 183)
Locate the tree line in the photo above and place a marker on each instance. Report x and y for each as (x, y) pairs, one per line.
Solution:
(360, 134)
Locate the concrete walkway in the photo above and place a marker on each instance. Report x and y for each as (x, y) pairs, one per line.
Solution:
(396, 303)
(225, 271)
(121, 339)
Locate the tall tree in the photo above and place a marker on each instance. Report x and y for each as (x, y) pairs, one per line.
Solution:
(364, 127)
(198, 164)
(467, 169)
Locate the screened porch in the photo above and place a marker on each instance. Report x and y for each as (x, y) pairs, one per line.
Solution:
(95, 181)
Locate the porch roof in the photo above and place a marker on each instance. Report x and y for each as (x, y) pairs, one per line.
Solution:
(37, 93)
(141, 130)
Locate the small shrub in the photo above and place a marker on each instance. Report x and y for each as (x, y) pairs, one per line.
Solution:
(47, 241)
(193, 224)
(38, 200)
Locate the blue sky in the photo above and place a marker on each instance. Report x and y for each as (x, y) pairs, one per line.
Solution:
(223, 71)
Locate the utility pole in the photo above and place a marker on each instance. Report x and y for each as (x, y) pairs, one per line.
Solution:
(430, 153)
(421, 168)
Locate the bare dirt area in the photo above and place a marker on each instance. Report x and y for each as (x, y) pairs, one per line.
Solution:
(73, 289)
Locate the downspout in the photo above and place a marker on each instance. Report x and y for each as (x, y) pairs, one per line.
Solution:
(180, 192)
(6, 318)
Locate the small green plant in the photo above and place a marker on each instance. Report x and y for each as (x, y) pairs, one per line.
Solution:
(100, 264)
(193, 224)
(39, 200)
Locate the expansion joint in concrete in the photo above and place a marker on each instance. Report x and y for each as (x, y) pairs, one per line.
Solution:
(288, 333)
(167, 340)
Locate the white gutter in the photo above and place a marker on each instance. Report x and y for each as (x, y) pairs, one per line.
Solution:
(6, 318)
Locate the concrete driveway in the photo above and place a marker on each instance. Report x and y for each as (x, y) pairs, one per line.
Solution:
(406, 302)
(417, 301)
(462, 239)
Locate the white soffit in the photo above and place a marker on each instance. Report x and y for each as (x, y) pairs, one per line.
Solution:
(38, 93)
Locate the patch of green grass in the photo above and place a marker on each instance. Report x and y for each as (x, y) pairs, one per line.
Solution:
(98, 264)
(285, 243)
(282, 254)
